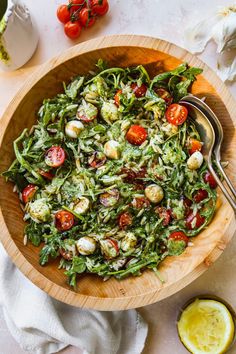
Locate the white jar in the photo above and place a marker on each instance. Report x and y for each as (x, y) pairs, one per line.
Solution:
(18, 36)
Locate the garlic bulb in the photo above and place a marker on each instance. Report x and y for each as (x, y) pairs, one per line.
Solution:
(220, 27)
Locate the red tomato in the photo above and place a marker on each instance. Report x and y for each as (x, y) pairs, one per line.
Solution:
(72, 29)
(117, 98)
(111, 244)
(136, 135)
(63, 14)
(76, 5)
(97, 159)
(194, 145)
(164, 214)
(139, 91)
(64, 220)
(55, 156)
(124, 220)
(200, 195)
(140, 202)
(46, 174)
(176, 114)
(85, 18)
(100, 7)
(194, 221)
(165, 95)
(179, 236)
(28, 193)
(66, 254)
(208, 178)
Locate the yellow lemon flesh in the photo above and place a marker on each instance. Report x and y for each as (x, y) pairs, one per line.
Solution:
(206, 327)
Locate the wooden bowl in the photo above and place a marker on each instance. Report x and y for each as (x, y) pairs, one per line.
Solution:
(177, 272)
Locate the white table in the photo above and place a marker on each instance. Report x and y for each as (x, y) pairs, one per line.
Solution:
(157, 18)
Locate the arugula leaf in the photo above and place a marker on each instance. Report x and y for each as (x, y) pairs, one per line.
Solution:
(72, 89)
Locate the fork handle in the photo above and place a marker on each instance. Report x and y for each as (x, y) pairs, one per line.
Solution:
(226, 178)
(222, 187)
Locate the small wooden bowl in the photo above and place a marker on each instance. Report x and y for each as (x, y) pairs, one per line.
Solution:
(177, 272)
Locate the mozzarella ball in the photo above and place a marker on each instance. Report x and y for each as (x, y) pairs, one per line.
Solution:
(74, 128)
(111, 149)
(109, 112)
(81, 206)
(128, 242)
(195, 160)
(39, 210)
(86, 245)
(154, 193)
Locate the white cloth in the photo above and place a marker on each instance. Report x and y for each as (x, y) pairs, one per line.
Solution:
(43, 325)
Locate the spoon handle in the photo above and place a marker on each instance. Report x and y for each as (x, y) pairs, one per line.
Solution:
(222, 187)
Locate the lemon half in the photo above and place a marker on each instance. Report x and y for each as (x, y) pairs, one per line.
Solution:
(206, 327)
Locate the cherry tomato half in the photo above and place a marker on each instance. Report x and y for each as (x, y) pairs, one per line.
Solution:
(124, 220)
(47, 174)
(194, 145)
(208, 178)
(187, 205)
(72, 29)
(179, 236)
(110, 248)
(140, 202)
(100, 7)
(139, 91)
(176, 114)
(200, 195)
(165, 95)
(64, 220)
(194, 221)
(85, 18)
(28, 193)
(117, 98)
(164, 214)
(55, 156)
(136, 135)
(63, 14)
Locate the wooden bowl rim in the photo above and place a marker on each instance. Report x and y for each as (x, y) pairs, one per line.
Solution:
(57, 291)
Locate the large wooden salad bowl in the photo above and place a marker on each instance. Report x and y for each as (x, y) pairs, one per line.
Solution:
(177, 272)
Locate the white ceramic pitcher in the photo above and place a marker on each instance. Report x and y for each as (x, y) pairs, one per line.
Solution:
(18, 35)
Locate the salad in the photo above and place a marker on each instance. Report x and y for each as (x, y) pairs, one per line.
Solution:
(111, 177)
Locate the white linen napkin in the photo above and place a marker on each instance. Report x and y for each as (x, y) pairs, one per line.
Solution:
(43, 325)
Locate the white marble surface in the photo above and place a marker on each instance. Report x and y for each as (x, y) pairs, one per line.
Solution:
(157, 18)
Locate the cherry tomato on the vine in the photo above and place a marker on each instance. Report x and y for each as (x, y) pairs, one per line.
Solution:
(99, 7)
(63, 14)
(176, 114)
(72, 29)
(85, 17)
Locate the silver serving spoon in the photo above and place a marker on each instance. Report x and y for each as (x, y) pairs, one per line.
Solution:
(208, 137)
(218, 134)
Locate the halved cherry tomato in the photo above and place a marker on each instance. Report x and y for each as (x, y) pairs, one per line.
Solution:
(187, 205)
(125, 220)
(63, 14)
(179, 236)
(194, 221)
(97, 159)
(140, 202)
(208, 178)
(176, 114)
(47, 174)
(85, 17)
(117, 98)
(55, 156)
(194, 145)
(200, 195)
(165, 95)
(139, 91)
(136, 135)
(72, 29)
(164, 214)
(28, 193)
(100, 7)
(110, 248)
(64, 220)
(110, 197)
